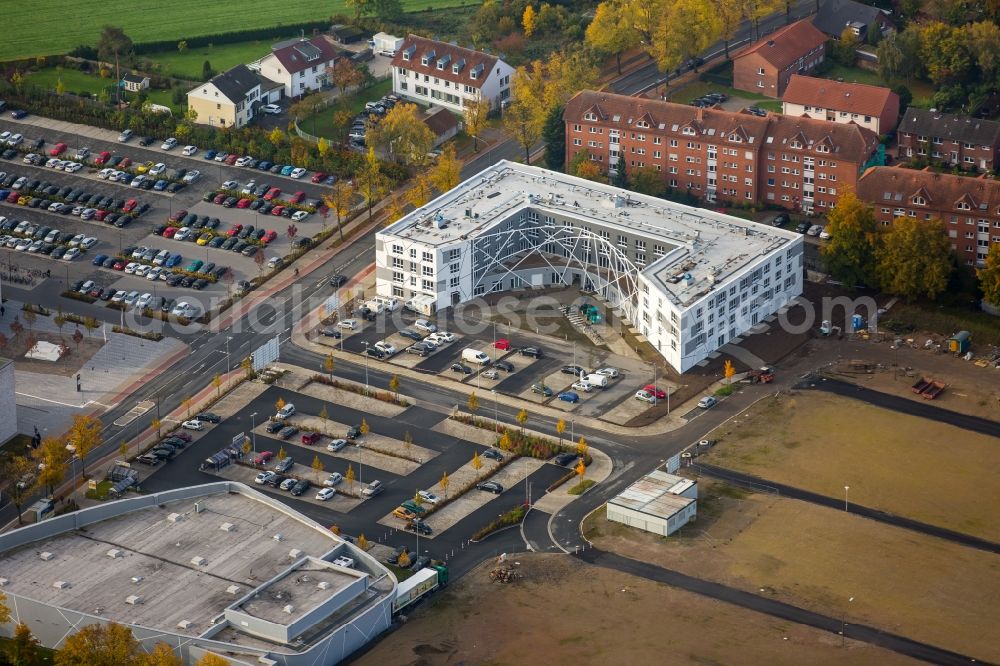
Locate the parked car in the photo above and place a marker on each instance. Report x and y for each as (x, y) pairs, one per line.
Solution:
(427, 496)
(263, 457)
(708, 401)
(541, 389)
(310, 438)
(493, 454)
(193, 424)
(325, 494)
(645, 396)
(565, 458)
(210, 417)
(300, 487)
(336, 445)
(264, 477)
(534, 352)
(334, 479)
(569, 396)
(572, 370)
(490, 486)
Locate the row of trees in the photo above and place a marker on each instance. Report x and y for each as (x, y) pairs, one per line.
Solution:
(94, 645)
(673, 31)
(961, 61)
(911, 258)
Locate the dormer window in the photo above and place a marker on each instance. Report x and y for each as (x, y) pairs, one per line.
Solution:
(408, 53)
(736, 138)
(796, 144)
(688, 131)
(919, 201)
(590, 116)
(961, 205)
(476, 71)
(822, 148)
(643, 124)
(427, 57)
(458, 66)
(443, 61)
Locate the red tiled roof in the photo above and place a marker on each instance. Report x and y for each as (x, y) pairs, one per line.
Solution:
(467, 60)
(898, 185)
(787, 45)
(302, 54)
(846, 141)
(851, 97)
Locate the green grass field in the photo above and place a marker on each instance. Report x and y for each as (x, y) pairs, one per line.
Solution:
(696, 89)
(76, 81)
(922, 91)
(188, 65)
(321, 124)
(65, 24)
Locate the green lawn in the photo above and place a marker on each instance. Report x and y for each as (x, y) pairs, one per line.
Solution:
(76, 81)
(922, 91)
(694, 90)
(188, 65)
(58, 26)
(321, 124)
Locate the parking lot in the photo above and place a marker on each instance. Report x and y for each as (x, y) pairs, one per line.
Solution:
(545, 374)
(160, 205)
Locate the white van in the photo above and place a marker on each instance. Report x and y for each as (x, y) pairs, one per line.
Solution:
(390, 304)
(471, 355)
(285, 412)
(597, 380)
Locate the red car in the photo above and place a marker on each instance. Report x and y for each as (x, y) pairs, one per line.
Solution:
(103, 157)
(310, 438)
(231, 160)
(237, 228)
(243, 203)
(58, 149)
(658, 392)
(178, 216)
(297, 197)
(100, 215)
(318, 177)
(130, 205)
(126, 161)
(180, 434)
(119, 265)
(13, 197)
(272, 193)
(269, 236)
(503, 344)
(277, 210)
(263, 457)
(169, 232)
(219, 198)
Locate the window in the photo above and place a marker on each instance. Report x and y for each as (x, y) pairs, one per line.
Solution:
(760, 71)
(428, 256)
(397, 249)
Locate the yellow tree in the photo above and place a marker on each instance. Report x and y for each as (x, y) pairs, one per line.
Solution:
(157, 425)
(581, 469)
(85, 435)
(421, 191)
(560, 429)
(14, 469)
(505, 443)
(328, 364)
(394, 385)
(403, 561)
(162, 655)
(363, 542)
(989, 275)
(23, 647)
(276, 136)
(408, 442)
(528, 19)
(363, 428)
(687, 29)
(581, 448)
(728, 370)
(318, 467)
(322, 147)
(477, 463)
(474, 113)
(186, 401)
(610, 33)
(729, 14)
(914, 258)
(473, 403)
(447, 173)
(279, 404)
(247, 365)
(525, 117)
(55, 458)
(99, 645)
(323, 414)
(444, 484)
(350, 476)
(217, 383)
(5, 616)
(372, 184)
(338, 200)
(849, 254)
(247, 446)
(394, 210)
(402, 135)
(522, 418)
(212, 659)
(123, 450)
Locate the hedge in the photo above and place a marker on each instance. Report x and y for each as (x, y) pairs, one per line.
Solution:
(249, 35)
(507, 519)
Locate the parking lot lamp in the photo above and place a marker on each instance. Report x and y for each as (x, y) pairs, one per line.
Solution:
(496, 412)
(366, 368)
(253, 434)
(228, 368)
(843, 625)
(846, 488)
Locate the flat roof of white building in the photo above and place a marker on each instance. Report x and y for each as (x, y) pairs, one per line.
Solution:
(182, 567)
(702, 247)
(656, 494)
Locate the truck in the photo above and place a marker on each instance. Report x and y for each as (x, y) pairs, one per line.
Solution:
(470, 355)
(933, 390)
(921, 385)
(763, 375)
(595, 379)
(422, 304)
(418, 586)
(385, 44)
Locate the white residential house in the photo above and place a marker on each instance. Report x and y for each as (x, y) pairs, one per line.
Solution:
(298, 64)
(231, 99)
(436, 73)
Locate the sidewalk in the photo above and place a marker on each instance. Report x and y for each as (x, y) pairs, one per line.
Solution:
(599, 470)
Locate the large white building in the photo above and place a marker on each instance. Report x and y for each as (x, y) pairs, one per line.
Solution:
(435, 73)
(300, 64)
(215, 568)
(690, 280)
(659, 502)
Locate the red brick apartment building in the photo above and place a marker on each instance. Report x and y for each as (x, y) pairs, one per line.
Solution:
(968, 206)
(720, 156)
(972, 143)
(767, 65)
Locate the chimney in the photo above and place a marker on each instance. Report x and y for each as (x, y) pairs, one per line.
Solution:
(699, 113)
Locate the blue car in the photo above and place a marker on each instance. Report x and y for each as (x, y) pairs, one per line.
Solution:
(265, 165)
(160, 185)
(4, 194)
(100, 259)
(173, 260)
(287, 171)
(209, 155)
(17, 114)
(569, 396)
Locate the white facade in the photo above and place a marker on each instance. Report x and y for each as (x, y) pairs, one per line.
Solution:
(8, 401)
(690, 280)
(304, 81)
(431, 90)
(213, 108)
(659, 502)
(820, 113)
(385, 44)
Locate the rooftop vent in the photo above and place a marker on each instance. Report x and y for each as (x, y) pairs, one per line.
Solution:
(61, 585)
(3, 581)
(133, 600)
(137, 579)
(184, 624)
(279, 537)
(289, 609)
(198, 507)
(175, 518)
(233, 589)
(227, 527)
(45, 555)
(295, 553)
(323, 585)
(115, 553)
(199, 561)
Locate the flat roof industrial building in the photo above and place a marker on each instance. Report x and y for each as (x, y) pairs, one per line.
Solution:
(218, 567)
(689, 279)
(659, 502)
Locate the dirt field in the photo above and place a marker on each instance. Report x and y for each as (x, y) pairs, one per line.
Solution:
(817, 558)
(909, 466)
(536, 621)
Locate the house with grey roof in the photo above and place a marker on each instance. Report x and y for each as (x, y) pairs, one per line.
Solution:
(232, 98)
(835, 16)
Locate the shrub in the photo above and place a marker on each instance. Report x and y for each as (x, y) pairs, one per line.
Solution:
(726, 390)
(512, 517)
(149, 335)
(580, 487)
(384, 396)
(77, 296)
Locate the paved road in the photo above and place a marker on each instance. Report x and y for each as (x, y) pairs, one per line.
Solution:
(751, 481)
(775, 608)
(648, 76)
(925, 409)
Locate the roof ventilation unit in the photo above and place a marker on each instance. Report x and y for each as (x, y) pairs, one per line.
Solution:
(61, 585)
(233, 589)
(175, 518)
(199, 561)
(295, 553)
(198, 507)
(4, 581)
(289, 609)
(227, 527)
(323, 585)
(116, 553)
(279, 537)
(45, 555)
(133, 600)
(137, 579)
(184, 624)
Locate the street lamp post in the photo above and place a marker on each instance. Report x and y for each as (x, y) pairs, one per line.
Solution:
(846, 488)
(366, 368)
(843, 625)
(253, 433)
(228, 367)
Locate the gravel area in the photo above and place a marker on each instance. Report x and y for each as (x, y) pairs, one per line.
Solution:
(352, 400)
(466, 432)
